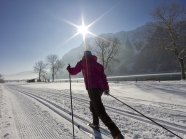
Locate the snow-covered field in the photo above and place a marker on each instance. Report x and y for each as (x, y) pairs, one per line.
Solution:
(42, 110)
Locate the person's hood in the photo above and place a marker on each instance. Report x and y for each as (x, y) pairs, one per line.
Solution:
(90, 57)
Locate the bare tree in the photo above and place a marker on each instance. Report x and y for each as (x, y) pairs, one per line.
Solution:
(44, 76)
(107, 50)
(40, 69)
(169, 30)
(1, 79)
(55, 64)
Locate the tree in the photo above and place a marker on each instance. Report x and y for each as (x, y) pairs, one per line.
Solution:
(1, 79)
(40, 69)
(169, 30)
(107, 50)
(44, 76)
(55, 64)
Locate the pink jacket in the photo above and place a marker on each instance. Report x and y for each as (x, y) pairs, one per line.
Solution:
(93, 72)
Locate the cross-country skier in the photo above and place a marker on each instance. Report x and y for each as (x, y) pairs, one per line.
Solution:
(96, 83)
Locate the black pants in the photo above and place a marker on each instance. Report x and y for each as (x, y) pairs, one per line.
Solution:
(98, 110)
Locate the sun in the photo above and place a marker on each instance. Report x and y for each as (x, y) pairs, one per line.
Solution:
(83, 30)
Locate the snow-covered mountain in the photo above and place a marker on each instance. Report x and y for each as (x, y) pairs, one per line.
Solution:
(136, 55)
(132, 43)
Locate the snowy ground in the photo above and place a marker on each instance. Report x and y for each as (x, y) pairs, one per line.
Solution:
(42, 110)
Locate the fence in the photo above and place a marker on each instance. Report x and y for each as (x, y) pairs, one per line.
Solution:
(135, 78)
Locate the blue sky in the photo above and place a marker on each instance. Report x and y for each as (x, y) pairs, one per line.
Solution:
(32, 29)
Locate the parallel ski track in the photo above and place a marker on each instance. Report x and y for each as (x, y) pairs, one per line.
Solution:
(172, 126)
(163, 109)
(169, 125)
(85, 100)
(43, 100)
(137, 116)
(68, 112)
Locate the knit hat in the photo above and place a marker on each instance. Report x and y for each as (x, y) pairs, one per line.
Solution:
(87, 53)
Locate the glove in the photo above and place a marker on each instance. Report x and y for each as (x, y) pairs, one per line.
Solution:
(68, 66)
(106, 92)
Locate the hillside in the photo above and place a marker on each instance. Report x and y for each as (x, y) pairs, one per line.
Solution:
(137, 55)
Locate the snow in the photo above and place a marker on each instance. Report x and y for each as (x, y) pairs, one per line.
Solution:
(42, 110)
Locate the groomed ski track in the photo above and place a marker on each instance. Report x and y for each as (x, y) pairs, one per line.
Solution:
(51, 99)
(44, 126)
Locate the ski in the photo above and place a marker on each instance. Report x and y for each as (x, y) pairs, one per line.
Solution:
(87, 133)
(96, 134)
(102, 131)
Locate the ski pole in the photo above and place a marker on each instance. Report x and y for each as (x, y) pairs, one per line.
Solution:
(71, 105)
(147, 117)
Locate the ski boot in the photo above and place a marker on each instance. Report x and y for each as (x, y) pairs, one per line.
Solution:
(120, 136)
(94, 126)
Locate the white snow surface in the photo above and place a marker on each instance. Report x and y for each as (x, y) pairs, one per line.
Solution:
(42, 110)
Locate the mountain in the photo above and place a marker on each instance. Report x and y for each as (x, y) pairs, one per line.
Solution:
(21, 76)
(132, 43)
(137, 54)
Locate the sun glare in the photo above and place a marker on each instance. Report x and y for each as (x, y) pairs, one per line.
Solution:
(82, 29)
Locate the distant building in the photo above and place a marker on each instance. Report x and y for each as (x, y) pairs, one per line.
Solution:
(31, 80)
